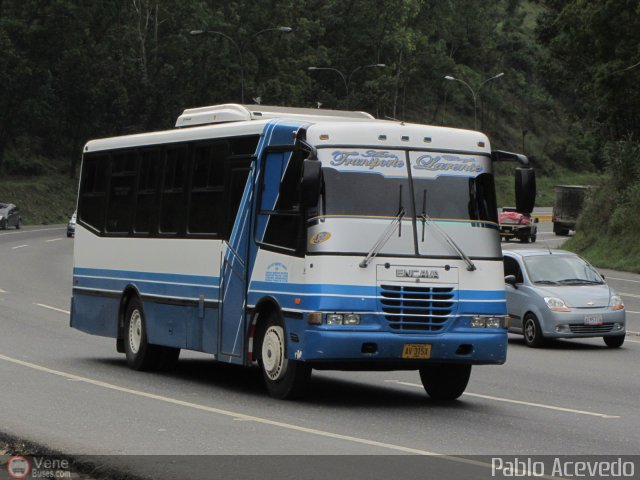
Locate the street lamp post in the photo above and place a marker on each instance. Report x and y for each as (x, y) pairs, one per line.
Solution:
(474, 94)
(346, 79)
(240, 47)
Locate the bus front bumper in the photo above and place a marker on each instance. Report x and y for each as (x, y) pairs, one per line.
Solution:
(353, 346)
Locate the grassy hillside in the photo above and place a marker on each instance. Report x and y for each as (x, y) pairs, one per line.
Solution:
(42, 200)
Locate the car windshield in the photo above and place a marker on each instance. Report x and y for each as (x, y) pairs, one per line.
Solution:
(561, 270)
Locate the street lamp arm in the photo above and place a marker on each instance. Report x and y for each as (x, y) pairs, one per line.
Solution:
(489, 79)
(382, 65)
(344, 79)
(215, 32)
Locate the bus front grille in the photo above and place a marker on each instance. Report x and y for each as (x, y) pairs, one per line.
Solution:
(413, 308)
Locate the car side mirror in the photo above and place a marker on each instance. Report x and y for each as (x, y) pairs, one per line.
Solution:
(510, 280)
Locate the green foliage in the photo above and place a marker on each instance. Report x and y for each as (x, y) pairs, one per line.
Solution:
(607, 231)
(42, 200)
(72, 70)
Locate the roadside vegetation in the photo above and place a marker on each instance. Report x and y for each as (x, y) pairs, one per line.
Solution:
(608, 230)
(72, 71)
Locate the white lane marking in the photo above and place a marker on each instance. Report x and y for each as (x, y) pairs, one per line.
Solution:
(622, 279)
(518, 402)
(53, 239)
(231, 414)
(17, 232)
(53, 308)
(629, 295)
(251, 418)
(19, 246)
(631, 341)
(2, 291)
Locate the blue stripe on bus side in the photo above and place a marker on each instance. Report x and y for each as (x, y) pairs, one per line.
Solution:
(165, 284)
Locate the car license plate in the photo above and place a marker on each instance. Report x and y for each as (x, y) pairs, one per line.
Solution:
(593, 320)
(416, 350)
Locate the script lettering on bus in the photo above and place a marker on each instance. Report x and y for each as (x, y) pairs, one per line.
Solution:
(442, 163)
(371, 159)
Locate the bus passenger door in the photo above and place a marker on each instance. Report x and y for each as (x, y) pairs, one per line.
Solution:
(234, 267)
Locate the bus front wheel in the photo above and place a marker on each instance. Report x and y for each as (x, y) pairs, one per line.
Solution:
(284, 378)
(446, 381)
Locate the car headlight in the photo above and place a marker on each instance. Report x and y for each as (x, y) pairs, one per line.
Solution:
(556, 304)
(616, 302)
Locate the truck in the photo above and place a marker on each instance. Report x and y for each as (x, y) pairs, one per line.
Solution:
(517, 225)
(567, 206)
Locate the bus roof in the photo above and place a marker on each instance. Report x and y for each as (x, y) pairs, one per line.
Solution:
(326, 128)
(232, 112)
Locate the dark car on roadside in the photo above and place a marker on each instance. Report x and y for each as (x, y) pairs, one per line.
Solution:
(71, 226)
(9, 216)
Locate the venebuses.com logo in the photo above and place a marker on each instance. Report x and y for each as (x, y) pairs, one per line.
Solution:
(38, 467)
(18, 467)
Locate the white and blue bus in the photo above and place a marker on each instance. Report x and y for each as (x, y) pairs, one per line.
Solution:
(296, 239)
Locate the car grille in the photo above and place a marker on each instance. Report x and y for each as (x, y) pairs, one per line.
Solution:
(580, 328)
(425, 309)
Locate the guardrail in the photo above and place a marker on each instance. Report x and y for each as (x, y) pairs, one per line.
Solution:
(542, 217)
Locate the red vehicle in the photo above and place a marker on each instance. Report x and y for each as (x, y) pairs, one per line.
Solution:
(517, 225)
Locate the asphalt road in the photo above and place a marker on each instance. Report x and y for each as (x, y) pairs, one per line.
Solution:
(73, 393)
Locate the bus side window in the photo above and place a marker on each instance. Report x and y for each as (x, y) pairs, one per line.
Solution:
(146, 219)
(121, 192)
(280, 200)
(93, 191)
(173, 205)
(207, 196)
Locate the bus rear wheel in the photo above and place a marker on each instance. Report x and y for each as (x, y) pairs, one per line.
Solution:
(445, 381)
(141, 355)
(284, 378)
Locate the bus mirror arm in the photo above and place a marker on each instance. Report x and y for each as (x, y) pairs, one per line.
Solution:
(502, 156)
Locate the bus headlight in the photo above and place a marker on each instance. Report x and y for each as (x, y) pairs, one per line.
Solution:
(499, 321)
(315, 318)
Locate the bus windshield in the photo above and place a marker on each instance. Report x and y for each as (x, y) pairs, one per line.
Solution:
(371, 187)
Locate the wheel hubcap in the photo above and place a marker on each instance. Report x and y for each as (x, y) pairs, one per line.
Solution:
(530, 330)
(135, 331)
(273, 360)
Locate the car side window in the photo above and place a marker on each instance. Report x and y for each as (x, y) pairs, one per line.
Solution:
(512, 267)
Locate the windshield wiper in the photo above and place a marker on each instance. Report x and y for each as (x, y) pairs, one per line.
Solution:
(383, 239)
(580, 280)
(427, 219)
(546, 282)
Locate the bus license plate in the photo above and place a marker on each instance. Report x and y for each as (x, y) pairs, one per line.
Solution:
(593, 320)
(416, 350)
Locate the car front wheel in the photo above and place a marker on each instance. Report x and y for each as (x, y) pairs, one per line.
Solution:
(614, 342)
(533, 336)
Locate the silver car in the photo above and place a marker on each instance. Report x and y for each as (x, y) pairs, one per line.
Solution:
(557, 294)
(9, 216)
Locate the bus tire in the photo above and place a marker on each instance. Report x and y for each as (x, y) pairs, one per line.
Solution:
(141, 355)
(445, 381)
(284, 378)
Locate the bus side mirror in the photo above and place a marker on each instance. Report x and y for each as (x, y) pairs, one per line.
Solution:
(525, 190)
(311, 182)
